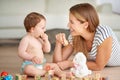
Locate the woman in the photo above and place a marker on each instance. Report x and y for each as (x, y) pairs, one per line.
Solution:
(97, 42)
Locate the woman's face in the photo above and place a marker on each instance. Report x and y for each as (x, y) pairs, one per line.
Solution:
(75, 26)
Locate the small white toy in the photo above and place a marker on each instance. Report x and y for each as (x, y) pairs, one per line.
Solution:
(80, 68)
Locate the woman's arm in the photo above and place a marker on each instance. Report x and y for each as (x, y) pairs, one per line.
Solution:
(61, 54)
(103, 55)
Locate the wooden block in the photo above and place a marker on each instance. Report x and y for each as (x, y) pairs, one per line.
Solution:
(55, 78)
(37, 77)
(18, 77)
(24, 77)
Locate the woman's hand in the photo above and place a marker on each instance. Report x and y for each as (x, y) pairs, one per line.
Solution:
(61, 38)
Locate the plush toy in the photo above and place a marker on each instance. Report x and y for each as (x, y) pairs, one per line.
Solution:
(80, 68)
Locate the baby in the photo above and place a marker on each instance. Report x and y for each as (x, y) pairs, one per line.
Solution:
(80, 69)
(33, 44)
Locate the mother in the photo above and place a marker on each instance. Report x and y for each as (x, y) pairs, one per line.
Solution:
(97, 42)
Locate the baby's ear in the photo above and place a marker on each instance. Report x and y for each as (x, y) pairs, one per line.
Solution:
(32, 29)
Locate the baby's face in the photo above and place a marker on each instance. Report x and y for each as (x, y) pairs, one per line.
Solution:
(40, 28)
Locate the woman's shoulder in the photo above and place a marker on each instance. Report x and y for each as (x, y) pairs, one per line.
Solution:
(104, 27)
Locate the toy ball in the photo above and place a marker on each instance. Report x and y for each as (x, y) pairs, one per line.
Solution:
(47, 68)
(4, 73)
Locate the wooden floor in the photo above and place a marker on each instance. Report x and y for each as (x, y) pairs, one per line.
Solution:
(10, 62)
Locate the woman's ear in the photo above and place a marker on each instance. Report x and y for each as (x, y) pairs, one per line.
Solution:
(85, 25)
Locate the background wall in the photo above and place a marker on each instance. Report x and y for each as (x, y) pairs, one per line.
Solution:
(13, 12)
(115, 4)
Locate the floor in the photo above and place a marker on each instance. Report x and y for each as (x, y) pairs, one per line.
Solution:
(10, 62)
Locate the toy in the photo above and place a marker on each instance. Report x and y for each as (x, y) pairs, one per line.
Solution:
(50, 73)
(4, 73)
(55, 78)
(1, 78)
(37, 77)
(63, 77)
(8, 77)
(24, 77)
(47, 68)
(80, 69)
(20, 77)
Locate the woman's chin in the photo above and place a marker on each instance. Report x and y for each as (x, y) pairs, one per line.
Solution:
(73, 34)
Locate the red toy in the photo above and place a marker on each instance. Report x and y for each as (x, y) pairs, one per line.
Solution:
(4, 73)
(47, 68)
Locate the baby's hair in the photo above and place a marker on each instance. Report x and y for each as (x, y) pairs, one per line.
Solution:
(32, 19)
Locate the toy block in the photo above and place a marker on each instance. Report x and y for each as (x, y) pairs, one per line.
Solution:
(37, 77)
(55, 78)
(18, 77)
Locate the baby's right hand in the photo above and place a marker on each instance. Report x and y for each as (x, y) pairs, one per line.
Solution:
(36, 60)
(61, 39)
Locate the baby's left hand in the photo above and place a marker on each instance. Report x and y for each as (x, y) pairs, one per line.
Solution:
(44, 37)
(36, 60)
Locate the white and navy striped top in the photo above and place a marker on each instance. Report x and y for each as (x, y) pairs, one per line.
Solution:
(103, 32)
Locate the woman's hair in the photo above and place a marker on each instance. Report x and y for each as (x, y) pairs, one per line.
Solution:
(32, 19)
(84, 12)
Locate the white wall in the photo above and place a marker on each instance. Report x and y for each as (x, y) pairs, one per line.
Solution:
(13, 12)
(21, 7)
(115, 4)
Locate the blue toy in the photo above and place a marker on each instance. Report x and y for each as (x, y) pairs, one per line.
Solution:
(8, 77)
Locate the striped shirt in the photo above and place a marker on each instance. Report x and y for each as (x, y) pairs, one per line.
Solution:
(103, 32)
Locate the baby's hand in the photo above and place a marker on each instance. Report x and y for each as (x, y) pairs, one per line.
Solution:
(36, 60)
(44, 37)
(62, 39)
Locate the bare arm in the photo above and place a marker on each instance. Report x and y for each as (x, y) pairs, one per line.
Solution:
(103, 55)
(46, 43)
(22, 50)
(61, 55)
